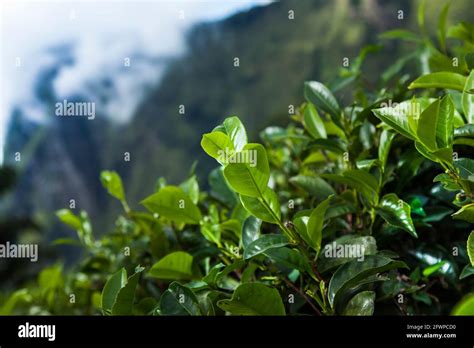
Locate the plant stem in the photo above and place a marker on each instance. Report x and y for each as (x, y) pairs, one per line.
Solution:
(280, 224)
(290, 284)
(316, 298)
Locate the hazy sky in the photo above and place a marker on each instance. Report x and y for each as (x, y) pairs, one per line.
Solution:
(103, 33)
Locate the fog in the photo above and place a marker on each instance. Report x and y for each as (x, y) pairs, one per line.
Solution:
(90, 44)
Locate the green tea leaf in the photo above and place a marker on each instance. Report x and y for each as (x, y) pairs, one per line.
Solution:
(396, 212)
(465, 306)
(361, 304)
(210, 277)
(464, 141)
(266, 208)
(233, 226)
(79, 223)
(468, 98)
(67, 217)
(179, 300)
(289, 258)
(362, 181)
(400, 34)
(113, 183)
(174, 266)
(254, 299)
(339, 209)
(217, 144)
(421, 15)
(430, 270)
(313, 122)
(251, 230)
(220, 271)
(318, 94)
(467, 271)
(111, 289)
(191, 188)
(437, 127)
(301, 226)
(470, 248)
(236, 132)
(442, 26)
(386, 138)
(403, 117)
(466, 213)
(466, 131)
(314, 185)
(425, 152)
(462, 31)
(465, 166)
(18, 296)
(249, 178)
(123, 304)
(315, 224)
(367, 164)
(212, 233)
(351, 273)
(264, 243)
(447, 182)
(172, 203)
(447, 80)
(334, 253)
(332, 144)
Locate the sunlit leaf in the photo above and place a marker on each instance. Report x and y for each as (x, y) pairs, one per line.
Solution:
(172, 203)
(174, 266)
(447, 80)
(249, 177)
(254, 299)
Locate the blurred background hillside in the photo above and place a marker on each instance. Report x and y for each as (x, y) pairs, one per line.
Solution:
(174, 62)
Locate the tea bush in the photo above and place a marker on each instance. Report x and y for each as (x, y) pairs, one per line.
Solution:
(350, 210)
